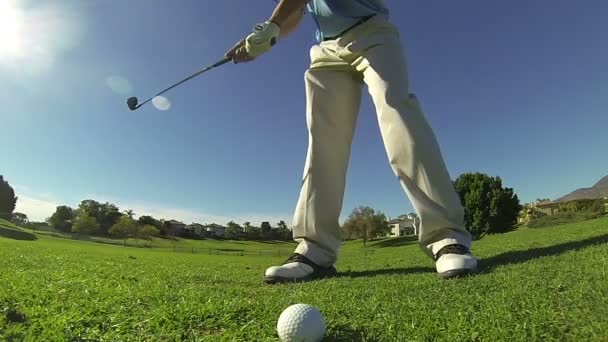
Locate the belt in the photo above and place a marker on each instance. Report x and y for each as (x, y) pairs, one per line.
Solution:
(350, 28)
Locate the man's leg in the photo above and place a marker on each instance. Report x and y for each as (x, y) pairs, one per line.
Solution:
(415, 155)
(333, 97)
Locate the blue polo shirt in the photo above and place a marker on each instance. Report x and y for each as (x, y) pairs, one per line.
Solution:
(335, 16)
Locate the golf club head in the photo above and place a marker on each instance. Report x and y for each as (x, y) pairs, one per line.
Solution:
(132, 103)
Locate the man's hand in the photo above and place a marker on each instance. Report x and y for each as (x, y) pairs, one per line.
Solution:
(257, 43)
(262, 39)
(238, 53)
(284, 20)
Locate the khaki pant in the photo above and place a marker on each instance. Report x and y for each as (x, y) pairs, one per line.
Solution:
(370, 53)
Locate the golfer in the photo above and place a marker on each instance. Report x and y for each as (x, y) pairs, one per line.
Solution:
(357, 45)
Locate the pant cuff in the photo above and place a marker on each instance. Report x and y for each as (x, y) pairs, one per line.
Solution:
(455, 238)
(316, 254)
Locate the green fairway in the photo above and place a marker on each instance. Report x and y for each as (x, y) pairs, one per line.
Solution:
(207, 246)
(547, 284)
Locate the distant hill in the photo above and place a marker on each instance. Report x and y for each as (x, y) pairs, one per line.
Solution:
(599, 190)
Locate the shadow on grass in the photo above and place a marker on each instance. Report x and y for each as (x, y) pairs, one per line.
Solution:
(343, 333)
(488, 264)
(395, 242)
(272, 242)
(17, 234)
(386, 271)
(516, 257)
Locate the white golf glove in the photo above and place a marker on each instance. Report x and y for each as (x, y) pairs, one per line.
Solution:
(262, 39)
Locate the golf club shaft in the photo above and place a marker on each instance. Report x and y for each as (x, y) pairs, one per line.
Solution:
(218, 63)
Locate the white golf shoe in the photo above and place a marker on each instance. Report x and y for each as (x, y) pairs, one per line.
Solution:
(455, 261)
(297, 268)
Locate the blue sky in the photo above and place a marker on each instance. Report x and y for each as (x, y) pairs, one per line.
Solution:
(515, 90)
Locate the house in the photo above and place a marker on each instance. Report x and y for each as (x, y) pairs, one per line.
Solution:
(215, 230)
(547, 207)
(404, 225)
(197, 229)
(177, 227)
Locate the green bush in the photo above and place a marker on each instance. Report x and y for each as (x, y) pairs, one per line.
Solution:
(488, 206)
(562, 218)
(598, 206)
(583, 205)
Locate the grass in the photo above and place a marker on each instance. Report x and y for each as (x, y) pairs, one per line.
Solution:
(563, 218)
(11, 231)
(280, 248)
(534, 285)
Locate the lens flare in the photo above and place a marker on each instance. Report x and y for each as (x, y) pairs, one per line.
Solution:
(161, 103)
(119, 85)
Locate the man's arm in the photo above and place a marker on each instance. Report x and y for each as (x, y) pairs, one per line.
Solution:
(285, 18)
(288, 15)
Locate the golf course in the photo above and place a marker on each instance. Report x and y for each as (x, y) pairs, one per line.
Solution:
(545, 284)
(303, 171)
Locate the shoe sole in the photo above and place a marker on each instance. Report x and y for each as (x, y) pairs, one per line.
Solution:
(456, 273)
(315, 276)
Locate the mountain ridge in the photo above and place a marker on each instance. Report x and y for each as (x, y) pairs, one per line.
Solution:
(598, 190)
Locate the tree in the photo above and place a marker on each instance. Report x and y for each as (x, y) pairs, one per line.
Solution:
(380, 224)
(283, 233)
(365, 223)
(20, 219)
(251, 232)
(120, 232)
(583, 205)
(85, 224)
(232, 230)
(598, 206)
(8, 200)
(147, 232)
(166, 228)
(107, 214)
(246, 226)
(124, 228)
(149, 220)
(62, 218)
(130, 213)
(89, 207)
(265, 231)
(488, 207)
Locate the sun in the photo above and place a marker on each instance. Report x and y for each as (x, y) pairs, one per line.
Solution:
(32, 37)
(11, 28)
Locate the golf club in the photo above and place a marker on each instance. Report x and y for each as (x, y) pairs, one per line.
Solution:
(132, 102)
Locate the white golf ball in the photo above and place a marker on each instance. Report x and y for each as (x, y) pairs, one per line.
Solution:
(301, 323)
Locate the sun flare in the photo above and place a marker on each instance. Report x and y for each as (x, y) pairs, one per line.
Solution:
(11, 30)
(34, 35)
